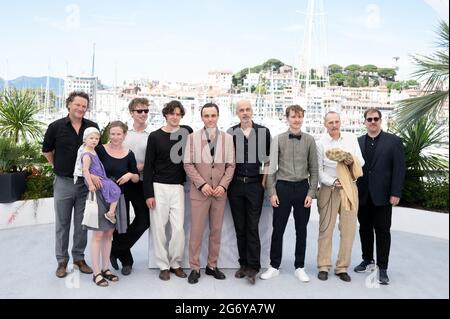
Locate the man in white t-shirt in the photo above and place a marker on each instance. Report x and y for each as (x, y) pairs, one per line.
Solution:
(136, 141)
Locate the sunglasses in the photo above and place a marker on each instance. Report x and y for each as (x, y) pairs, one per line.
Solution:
(370, 119)
(140, 111)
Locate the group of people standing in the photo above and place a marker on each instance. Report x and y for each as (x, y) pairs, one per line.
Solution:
(149, 169)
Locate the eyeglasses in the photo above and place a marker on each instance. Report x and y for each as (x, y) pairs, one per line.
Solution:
(370, 119)
(140, 111)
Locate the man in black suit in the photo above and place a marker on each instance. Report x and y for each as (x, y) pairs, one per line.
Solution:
(379, 189)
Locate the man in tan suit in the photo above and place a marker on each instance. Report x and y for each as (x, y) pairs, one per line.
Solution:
(209, 163)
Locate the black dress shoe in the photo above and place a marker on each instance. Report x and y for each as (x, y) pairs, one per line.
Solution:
(113, 261)
(251, 275)
(344, 277)
(193, 277)
(241, 272)
(323, 275)
(216, 273)
(126, 270)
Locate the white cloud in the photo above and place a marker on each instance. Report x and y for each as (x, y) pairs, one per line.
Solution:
(440, 6)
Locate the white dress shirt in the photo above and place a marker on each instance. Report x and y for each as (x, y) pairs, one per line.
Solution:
(327, 168)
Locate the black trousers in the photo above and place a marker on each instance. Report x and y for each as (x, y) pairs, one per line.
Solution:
(122, 243)
(376, 219)
(290, 194)
(246, 202)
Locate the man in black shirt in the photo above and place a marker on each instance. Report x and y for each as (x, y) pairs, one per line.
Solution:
(379, 189)
(61, 142)
(164, 177)
(246, 192)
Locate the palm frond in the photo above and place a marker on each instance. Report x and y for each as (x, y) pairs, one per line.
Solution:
(434, 72)
(419, 139)
(409, 110)
(442, 32)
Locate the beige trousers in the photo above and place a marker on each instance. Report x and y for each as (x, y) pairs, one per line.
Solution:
(169, 209)
(329, 205)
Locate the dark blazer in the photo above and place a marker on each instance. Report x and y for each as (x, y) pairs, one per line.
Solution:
(386, 175)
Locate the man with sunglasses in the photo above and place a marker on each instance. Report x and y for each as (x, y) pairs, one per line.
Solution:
(379, 189)
(136, 141)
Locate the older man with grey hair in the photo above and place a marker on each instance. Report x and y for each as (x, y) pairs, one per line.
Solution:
(246, 191)
(329, 200)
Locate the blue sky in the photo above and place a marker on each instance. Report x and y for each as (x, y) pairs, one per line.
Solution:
(182, 40)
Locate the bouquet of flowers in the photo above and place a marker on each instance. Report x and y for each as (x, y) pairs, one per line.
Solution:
(338, 155)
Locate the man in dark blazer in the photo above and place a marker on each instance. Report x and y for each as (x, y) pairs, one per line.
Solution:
(379, 189)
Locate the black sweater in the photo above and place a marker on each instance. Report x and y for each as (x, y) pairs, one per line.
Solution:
(159, 167)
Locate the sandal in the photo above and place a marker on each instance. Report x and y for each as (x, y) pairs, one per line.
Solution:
(102, 282)
(108, 275)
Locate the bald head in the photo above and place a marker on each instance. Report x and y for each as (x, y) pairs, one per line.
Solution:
(332, 114)
(243, 104)
(333, 124)
(244, 111)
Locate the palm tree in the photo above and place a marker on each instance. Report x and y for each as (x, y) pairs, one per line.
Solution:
(422, 162)
(17, 112)
(434, 70)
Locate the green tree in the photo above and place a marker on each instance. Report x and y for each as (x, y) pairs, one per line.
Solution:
(104, 137)
(261, 88)
(338, 79)
(387, 73)
(369, 68)
(411, 83)
(334, 68)
(434, 71)
(275, 63)
(17, 115)
(352, 81)
(353, 68)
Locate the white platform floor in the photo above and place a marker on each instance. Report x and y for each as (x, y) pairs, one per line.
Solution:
(419, 268)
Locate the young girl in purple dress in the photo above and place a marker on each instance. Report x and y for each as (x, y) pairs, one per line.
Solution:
(92, 165)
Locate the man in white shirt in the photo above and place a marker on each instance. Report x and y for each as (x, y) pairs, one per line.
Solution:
(136, 141)
(329, 199)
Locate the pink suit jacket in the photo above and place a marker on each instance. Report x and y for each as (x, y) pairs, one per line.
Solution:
(202, 168)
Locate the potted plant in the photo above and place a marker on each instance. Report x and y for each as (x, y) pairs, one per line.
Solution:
(16, 163)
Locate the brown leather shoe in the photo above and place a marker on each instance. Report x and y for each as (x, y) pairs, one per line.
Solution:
(61, 270)
(178, 272)
(164, 275)
(83, 267)
(241, 272)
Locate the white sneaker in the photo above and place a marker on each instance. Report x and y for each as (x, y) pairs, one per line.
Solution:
(270, 273)
(301, 275)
